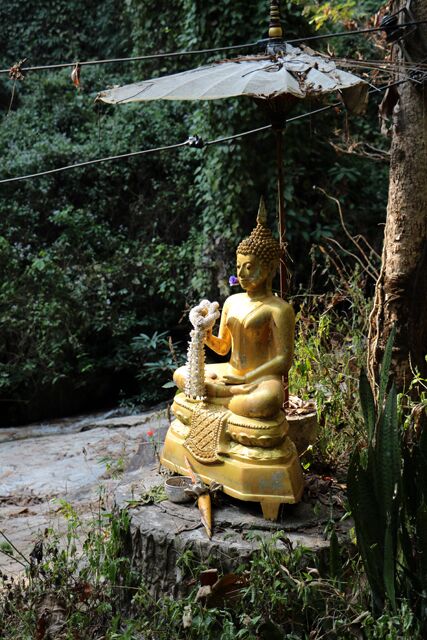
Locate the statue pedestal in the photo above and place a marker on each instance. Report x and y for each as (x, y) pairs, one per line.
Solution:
(268, 475)
(162, 533)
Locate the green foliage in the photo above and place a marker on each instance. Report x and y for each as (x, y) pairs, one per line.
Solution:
(84, 269)
(338, 11)
(151, 496)
(413, 519)
(154, 359)
(76, 583)
(84, 585)
(54, 30)
(93, 257)
(330, 349)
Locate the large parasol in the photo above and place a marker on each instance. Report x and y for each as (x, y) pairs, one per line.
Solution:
(276, 80)
(274, 77)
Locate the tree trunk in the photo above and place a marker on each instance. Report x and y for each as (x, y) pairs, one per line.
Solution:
(401, 291)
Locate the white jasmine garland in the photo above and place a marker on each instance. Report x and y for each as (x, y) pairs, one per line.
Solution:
(203, 318)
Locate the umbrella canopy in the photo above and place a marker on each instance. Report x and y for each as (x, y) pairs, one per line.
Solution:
(285, 76)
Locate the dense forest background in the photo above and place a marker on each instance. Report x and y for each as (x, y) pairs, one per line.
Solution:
(98, 265)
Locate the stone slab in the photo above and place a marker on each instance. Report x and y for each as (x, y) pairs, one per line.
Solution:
(108, 419)
(67, 459)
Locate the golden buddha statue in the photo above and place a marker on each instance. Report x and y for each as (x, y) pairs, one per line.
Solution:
(235, 433)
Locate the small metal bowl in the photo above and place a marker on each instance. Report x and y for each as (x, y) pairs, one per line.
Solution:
(175, 488)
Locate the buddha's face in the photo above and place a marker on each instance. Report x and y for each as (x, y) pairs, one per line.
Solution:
(251, 272)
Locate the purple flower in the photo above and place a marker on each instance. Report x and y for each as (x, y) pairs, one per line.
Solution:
(233, 281)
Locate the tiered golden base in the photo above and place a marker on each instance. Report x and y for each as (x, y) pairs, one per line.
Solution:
(271, 476)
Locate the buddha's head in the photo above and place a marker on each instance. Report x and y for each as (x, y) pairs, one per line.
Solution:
(258, 256)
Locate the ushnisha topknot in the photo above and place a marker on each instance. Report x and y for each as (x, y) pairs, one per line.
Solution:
(261, 242)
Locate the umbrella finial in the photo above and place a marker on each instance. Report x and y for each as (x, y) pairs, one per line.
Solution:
(275, 27)
(262, 213)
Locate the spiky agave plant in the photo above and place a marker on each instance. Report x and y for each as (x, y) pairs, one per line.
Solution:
(387, 492)
(374, 485)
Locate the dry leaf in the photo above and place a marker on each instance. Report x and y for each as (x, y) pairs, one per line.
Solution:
(51, 619)
(228, 588)
(75, 75)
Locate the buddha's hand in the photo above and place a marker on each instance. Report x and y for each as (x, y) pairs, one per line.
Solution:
(221, 390)
(217, 390)
(238, 389)
(234, 379)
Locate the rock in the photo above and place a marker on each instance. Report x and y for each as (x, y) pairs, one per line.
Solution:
(66, 459)
(106, 419)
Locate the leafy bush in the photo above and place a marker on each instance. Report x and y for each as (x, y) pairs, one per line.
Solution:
(84, 585)
(330, 349)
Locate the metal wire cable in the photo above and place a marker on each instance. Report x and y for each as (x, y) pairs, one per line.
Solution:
(174, 54)
(379, 62)
(97, 161)
(387, 66)
(237, 135)
(343, 34)
(192, 141)
(152, 56)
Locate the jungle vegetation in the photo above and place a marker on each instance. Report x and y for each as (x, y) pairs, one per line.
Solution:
(100, 264)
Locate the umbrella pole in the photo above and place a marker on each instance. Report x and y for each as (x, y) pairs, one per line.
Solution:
(282, 235)
(281, 208)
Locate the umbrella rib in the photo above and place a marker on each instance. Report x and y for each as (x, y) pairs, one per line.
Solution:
(191, 80)
(146, 85)
(236, 69)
